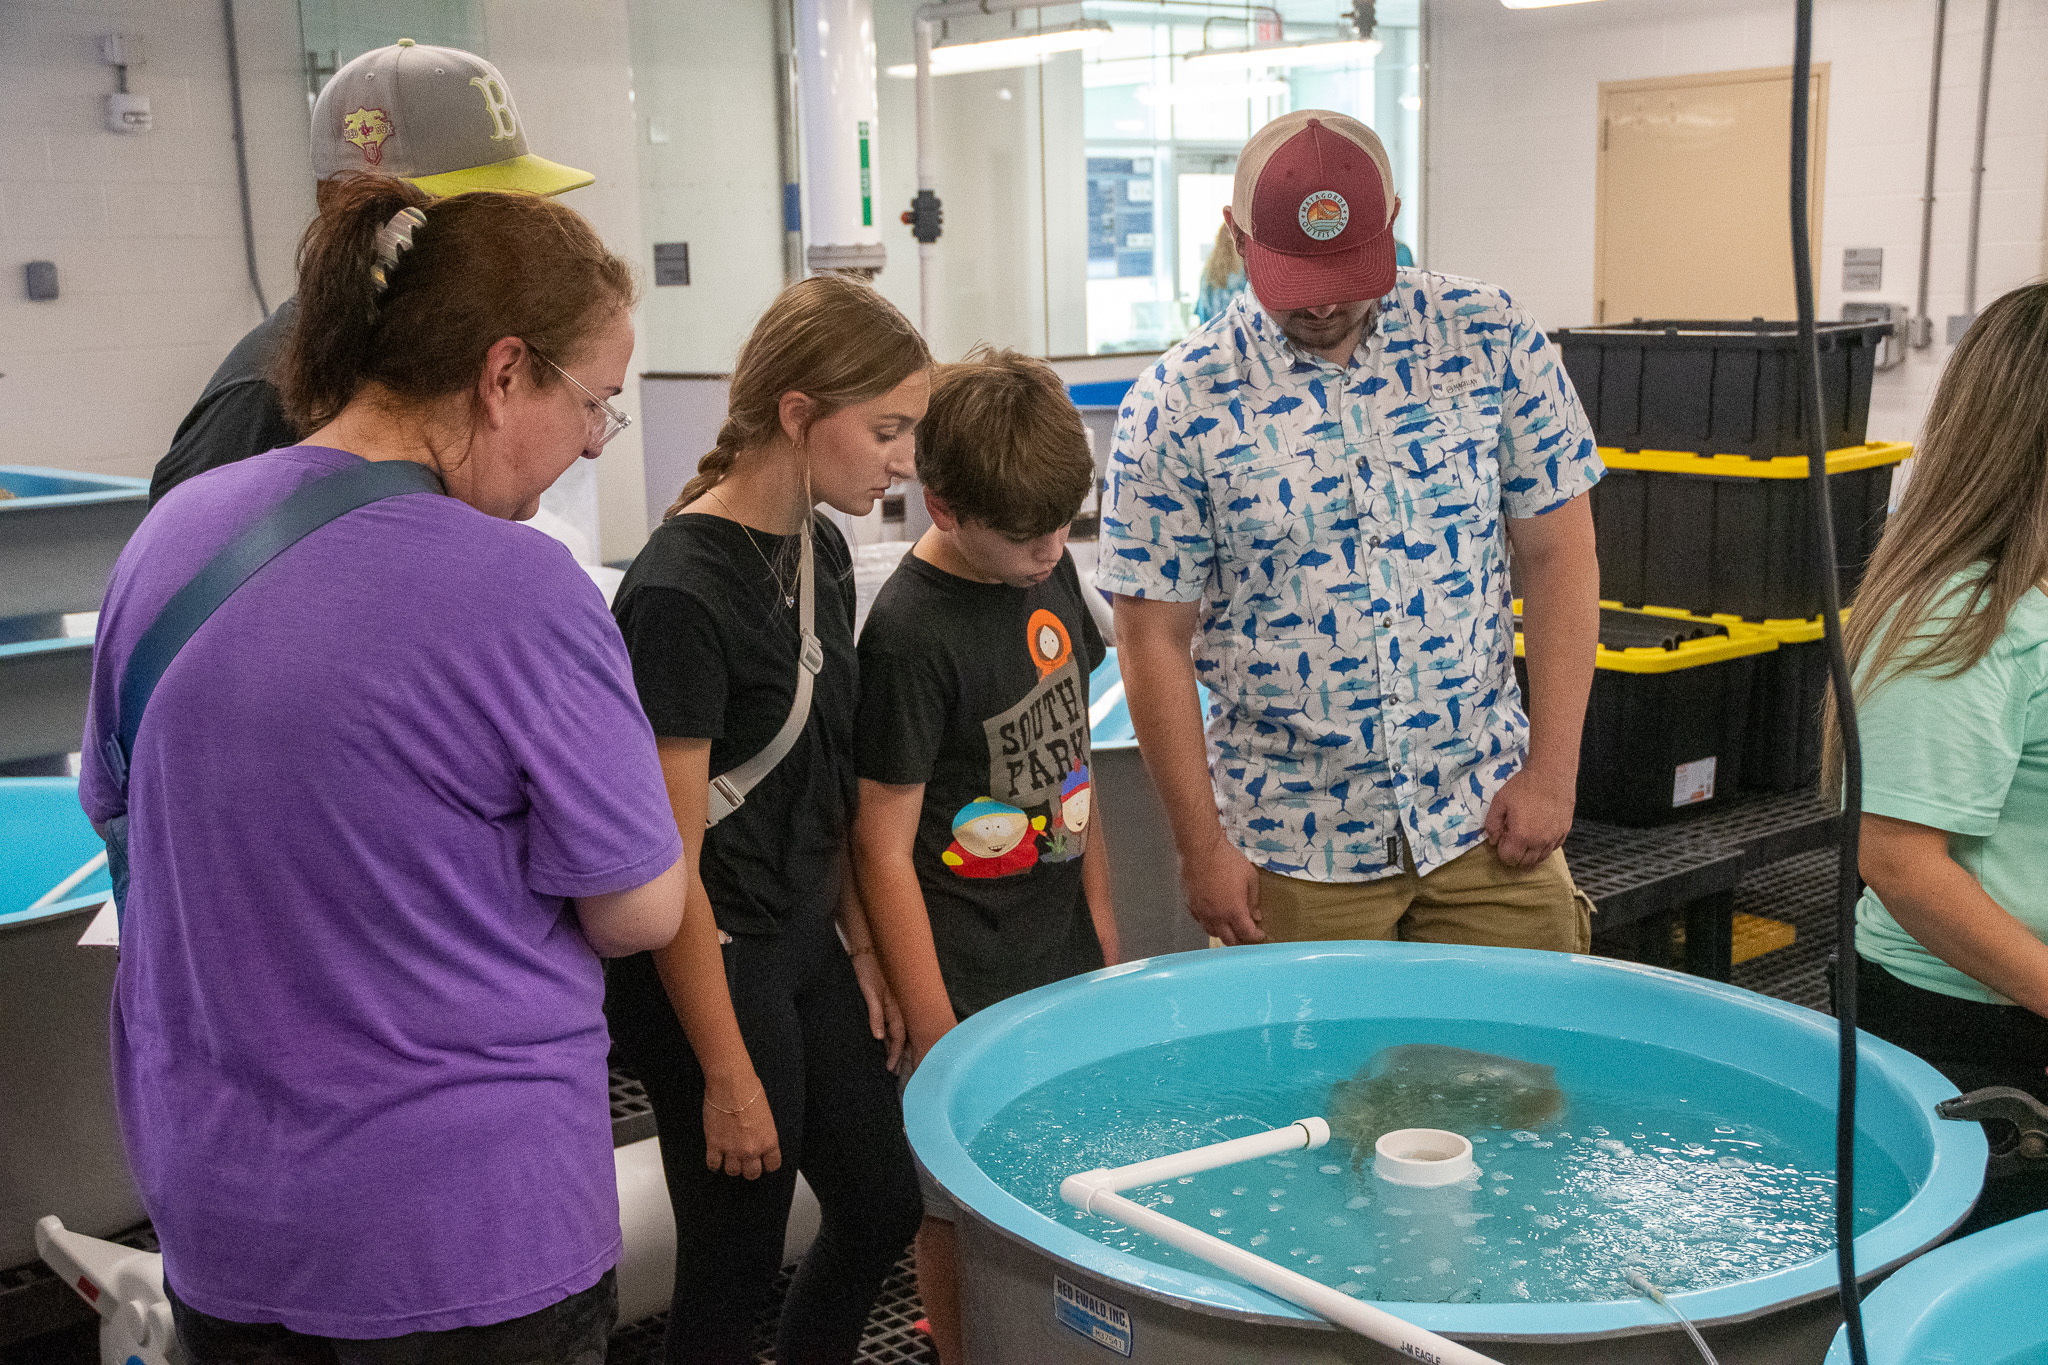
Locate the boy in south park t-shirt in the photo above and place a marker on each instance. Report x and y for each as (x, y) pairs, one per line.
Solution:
(981, 869)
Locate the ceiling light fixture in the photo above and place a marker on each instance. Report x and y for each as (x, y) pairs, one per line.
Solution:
(998, 54)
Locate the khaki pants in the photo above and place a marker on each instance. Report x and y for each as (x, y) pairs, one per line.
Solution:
(1473, 899)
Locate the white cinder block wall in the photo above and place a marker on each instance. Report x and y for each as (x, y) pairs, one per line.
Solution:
(145, 229)
(1514, 127)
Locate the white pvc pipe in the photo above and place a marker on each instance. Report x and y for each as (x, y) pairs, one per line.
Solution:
(1300, 1135)
(58, 892)
(1094, 1192)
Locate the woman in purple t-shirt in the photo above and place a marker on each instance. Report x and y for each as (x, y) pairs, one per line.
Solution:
(387, 808)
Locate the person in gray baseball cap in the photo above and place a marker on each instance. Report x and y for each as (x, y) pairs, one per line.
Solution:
(437, 116)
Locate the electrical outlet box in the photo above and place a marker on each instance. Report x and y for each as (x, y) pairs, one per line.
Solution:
(41, 279)
(129, 114)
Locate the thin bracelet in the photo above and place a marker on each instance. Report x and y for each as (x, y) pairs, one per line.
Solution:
(734, 1113)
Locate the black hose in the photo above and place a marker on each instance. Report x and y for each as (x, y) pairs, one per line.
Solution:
(227, 14)
(1847, 888)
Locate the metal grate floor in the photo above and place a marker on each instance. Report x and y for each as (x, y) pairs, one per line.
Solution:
(1801, 892)
(891, 1337)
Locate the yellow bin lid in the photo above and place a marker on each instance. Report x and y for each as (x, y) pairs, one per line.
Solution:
(1742, 640)
(1847, 460)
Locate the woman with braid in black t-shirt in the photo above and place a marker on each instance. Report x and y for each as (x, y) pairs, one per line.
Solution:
(792, 1074)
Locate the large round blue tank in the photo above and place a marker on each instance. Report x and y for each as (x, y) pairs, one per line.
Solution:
(1012, 1254)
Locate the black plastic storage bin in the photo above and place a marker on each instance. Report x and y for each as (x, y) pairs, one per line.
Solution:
(1783, 751)
(1720, 388)
(1724, 534)
(1668, 720)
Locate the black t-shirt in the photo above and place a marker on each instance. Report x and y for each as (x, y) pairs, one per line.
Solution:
(714, 646)
(980, 692)
(238, 414)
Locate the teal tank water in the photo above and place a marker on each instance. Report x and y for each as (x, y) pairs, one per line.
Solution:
(1693, 1143)
(1711, 1176)
(1983, 1300)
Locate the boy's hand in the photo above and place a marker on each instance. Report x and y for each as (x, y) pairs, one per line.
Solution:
(885, 1018)
(1223, 892)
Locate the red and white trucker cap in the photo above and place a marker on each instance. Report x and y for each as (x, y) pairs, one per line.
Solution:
(1314, 192)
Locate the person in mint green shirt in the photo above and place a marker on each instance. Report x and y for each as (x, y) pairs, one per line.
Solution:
(1949, 642)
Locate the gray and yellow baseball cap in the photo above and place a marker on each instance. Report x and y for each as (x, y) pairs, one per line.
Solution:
(437, 116)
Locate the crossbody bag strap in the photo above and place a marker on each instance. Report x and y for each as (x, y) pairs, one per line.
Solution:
(729, 790)
(305, 511)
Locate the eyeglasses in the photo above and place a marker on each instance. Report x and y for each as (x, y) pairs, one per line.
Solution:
(609, 421)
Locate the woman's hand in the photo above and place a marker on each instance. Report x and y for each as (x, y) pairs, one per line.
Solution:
(742, 1143)
(885, 1018)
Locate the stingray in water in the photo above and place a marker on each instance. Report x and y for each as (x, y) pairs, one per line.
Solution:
(1426, 1085)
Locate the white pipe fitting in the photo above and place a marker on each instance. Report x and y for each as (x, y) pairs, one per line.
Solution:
(1422, 1158)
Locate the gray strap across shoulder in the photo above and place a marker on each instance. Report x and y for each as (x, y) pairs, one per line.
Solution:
(729, 790)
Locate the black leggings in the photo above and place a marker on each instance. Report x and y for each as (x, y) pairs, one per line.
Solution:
(1973, 1045)
(838, 1120)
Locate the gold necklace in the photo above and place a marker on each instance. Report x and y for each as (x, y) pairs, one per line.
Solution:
(788, 597)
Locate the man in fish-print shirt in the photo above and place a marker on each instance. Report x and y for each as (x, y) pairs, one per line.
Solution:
(1312, 500)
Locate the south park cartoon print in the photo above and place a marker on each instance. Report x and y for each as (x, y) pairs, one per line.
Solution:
(1040, 791)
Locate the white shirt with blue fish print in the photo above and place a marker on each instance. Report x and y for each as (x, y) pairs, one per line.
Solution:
(1341, 526)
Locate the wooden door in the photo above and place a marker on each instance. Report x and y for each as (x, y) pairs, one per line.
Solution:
(1694, 182)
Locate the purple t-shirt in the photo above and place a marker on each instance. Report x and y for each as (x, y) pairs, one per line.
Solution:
(359, 1042)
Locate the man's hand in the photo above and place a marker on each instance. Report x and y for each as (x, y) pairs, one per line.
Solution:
(1223, 892)
(1529, 817)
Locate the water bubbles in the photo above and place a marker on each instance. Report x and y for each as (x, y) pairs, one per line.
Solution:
(1166, 1199)
(1274, 1194)
(1439, 1265)
(1217, 1213)
(1316, 1259)
(1356, 1201)
(1610, 1145)
(1399, 1213)
(1332, 1169)
(1597, 1131)
(1360, 1269)
(1260, 1239)
(1337, 1220)
(1239, 1190)
(1522, 1135)
(1185, 1180)
(1274, 1208)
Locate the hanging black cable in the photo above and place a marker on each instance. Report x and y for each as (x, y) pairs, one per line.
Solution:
(227, 14)
(1846, 890)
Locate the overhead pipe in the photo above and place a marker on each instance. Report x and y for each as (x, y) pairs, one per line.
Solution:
(790, 159)
(1977, 169)
(1922, 327)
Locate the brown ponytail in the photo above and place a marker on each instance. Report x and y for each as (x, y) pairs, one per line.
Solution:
(484, 266)
(834, 339)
